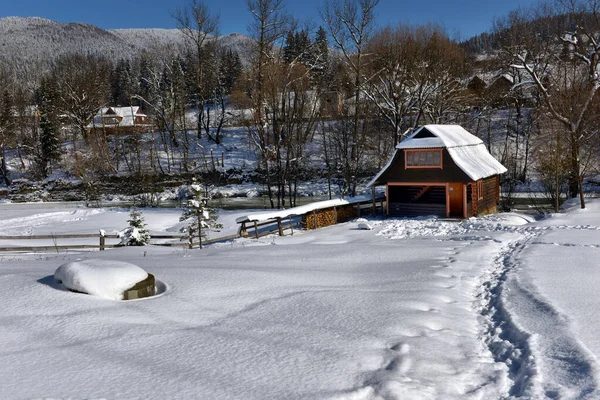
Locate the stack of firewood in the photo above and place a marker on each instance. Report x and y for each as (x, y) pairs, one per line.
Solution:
(328, 216)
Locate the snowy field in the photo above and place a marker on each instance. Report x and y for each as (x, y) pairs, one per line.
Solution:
(495, 307)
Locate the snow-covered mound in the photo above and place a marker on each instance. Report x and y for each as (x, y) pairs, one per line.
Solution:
(363, 224)
(104, 278)
(403, 228)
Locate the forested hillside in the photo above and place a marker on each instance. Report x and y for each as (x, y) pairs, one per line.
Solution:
(30, 46)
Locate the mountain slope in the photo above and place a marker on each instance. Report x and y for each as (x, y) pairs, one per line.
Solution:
(28, 46)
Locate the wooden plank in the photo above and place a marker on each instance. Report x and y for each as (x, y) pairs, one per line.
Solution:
(221, 239)
(73, 236)
(180, 236)
(182, 244)
(204, 242)
(46, 248)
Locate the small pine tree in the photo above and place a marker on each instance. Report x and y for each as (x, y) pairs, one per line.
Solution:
(49, 145)
(136, 234)
(199, 216)
(321, 67)
(5, 124)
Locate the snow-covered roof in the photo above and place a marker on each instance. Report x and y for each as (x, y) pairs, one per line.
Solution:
(127, 115)
(476, 161)
(424, 143)
(467, 151)
(300, 210)
(445, 135)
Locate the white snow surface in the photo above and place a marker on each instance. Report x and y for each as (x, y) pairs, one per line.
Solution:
(476, 161)
(501, 306)
(104, 278)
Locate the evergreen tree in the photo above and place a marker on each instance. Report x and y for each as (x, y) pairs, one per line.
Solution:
(297, 47)
(5, 124)
(321, 66)
(144, 87)
(230, 70)
(136, 234)
(198, 215)
(49, 144)
(5, 109)
(303, 47)
(121, 84)
(289, 48)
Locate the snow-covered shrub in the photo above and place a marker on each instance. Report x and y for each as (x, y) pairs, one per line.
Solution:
(198, 215)
(136, 234)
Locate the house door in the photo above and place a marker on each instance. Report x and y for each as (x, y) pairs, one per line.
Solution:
(455, 196)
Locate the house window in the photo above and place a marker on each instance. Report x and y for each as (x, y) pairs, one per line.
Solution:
(480, 189)
(423, 158)
(110, 120)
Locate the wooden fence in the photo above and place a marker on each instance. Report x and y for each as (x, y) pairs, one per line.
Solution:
(314, 219)
(253, 229)
(101, 244)
(55, 238)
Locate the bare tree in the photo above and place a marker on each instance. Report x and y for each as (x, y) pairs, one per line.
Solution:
(294, 104)
(351, 24)
(445, 71)
(201, 28)
(557, 48)
(166, 103)
(390, 76)
(552, 163)
(268, 27)
(83, 87)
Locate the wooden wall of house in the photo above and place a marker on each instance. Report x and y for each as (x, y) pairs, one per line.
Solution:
(491, 196)
(120, 130)
(449, 172)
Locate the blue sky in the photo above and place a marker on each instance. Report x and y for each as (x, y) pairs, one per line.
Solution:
(461, 18)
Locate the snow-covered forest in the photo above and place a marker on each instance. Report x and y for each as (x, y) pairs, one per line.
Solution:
(324, 104)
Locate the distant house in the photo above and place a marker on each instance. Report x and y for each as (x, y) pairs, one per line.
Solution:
(442, 170)
(120, 120)
(331, 104)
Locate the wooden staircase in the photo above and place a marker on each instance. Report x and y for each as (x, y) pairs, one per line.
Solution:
(420, 194)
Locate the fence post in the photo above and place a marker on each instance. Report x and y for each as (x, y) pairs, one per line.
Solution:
(102, 240)
(190, 238)
(374, 201)
(255, 229)
(279, 226)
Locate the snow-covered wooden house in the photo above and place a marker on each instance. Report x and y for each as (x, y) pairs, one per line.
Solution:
(120, 120)
(442, 170)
